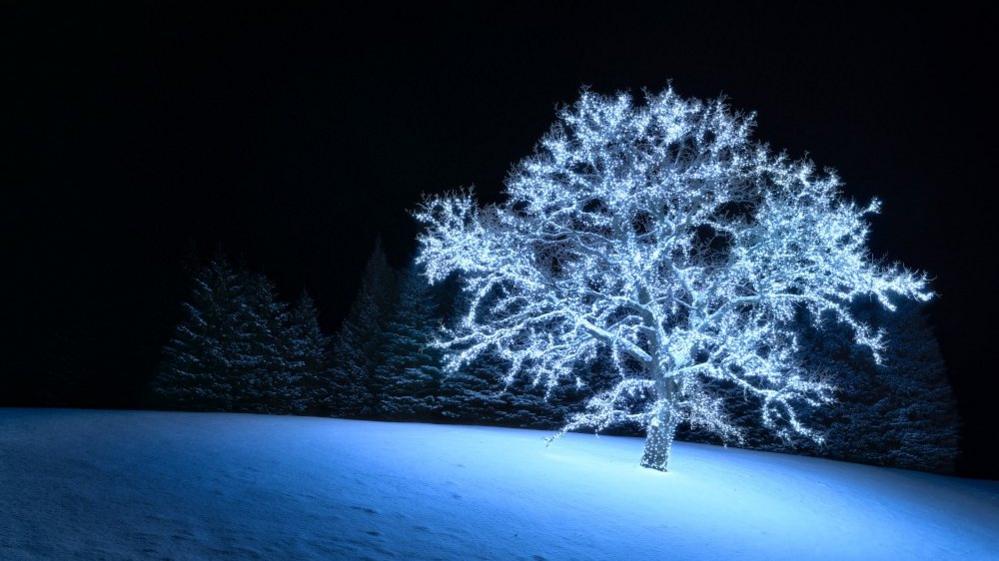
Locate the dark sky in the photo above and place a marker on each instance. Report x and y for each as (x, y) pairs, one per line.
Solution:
(136, 139)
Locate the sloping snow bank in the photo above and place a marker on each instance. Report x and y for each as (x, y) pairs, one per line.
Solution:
(143, 485)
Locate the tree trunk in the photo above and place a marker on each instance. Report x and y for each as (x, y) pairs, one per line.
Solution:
(658, 441)
(659, 434)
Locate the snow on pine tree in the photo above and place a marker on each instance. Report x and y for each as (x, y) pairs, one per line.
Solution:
(264, 380)
(358, 344)
(306, 350)
(919, 406)
(409, 374)
(900, 413)
(662, 232)
(236, 349)
(194, 371)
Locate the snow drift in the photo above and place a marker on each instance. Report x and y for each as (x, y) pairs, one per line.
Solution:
(182, 486)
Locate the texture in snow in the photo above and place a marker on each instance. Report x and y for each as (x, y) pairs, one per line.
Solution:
(180, 486)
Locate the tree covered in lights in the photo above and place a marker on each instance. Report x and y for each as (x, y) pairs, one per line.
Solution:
(662, 234)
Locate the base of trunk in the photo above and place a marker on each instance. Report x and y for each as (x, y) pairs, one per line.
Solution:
(658, 441)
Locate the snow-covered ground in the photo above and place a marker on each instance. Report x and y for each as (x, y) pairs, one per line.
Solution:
(143, 485)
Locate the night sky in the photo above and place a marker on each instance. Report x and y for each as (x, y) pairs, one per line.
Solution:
(139, 140)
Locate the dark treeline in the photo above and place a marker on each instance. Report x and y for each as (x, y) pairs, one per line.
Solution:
(239, 348)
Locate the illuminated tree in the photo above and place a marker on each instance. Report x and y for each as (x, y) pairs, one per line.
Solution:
(663, 233)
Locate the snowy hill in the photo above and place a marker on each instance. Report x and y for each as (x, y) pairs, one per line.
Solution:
(143, 485)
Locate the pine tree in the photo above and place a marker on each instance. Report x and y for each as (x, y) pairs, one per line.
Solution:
(264, 380)
(923, 423)
(240, 348)
(901, 413)
(409, 373)
(357, 347)
(307, 357)
(206, 343)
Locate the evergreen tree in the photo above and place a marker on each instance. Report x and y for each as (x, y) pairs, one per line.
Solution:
(263, 378)
(358, 344)
(409, 374)
(239, 348)
(921, 413)
(206, 344)
(307, 357)
(901, 413)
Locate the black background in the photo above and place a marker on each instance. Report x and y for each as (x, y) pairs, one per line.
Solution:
(138, 139)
